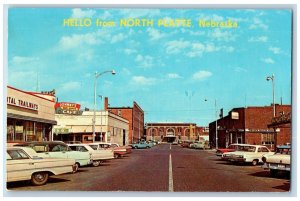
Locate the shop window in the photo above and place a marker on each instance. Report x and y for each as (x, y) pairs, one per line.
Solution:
(19, 131)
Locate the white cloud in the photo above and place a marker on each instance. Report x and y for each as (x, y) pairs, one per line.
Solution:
(275, 50)
(144, 61)
(18, 60)
(76, 40)
(240, 70)
(106, 15)
(70, 86)
(129, 51)
(155, 34)
(201, 75)
(79, 13)
(175, 46)
(20, 80)
(258, 39)
(222, 35)
(118, 37)
(194, 49)
(268, 60)
(173, 76)
(141, 80)
(258, 24)
(137, 13)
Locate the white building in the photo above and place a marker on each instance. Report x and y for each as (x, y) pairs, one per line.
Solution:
(108, 127)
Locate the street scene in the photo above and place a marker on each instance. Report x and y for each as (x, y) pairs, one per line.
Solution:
(191, 171)
(149, 100)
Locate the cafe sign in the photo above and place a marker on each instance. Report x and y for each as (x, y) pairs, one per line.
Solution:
(67, 108)
(22, 103)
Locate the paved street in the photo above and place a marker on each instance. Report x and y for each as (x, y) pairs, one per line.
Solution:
(165, 168)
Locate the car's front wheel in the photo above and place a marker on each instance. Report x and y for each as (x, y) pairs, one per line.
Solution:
(116, 156)
(255, 162)
(39, 178)
(96, 163)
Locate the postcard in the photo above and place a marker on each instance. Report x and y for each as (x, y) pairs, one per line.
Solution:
(155, 100)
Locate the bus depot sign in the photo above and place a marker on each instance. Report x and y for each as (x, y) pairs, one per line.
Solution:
(67, 108)
(22, 103)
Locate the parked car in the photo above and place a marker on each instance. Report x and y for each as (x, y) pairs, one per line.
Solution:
(185, 144)
(141, 145)
(175, 142)
(98, 156)
(248, 154)
(279, 162)
(58, 149)
(117, 150)
(230, 148)
(200, 145)
(23, 163)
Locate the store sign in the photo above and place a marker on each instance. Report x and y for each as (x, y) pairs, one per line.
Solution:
(67, 108)
(61, 130)
(22, 103)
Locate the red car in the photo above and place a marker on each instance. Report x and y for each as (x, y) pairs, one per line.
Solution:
(230, 148)
(186, 144)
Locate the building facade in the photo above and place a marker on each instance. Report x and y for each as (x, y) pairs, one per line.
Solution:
(135, 117)
(79, 128)
(169, 132)
(250, 125)
(30, 115)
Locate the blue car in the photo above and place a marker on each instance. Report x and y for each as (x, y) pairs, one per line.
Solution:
(142, 145)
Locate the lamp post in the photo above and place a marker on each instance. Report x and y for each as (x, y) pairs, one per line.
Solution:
(216, 131)
(97, 75)
(274, 110)
(273, 91)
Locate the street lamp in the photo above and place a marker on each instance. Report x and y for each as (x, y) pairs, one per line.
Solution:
(273, 91)
(216, 132)
(274, 112)
(113, 72)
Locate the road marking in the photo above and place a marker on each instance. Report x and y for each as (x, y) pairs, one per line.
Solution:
(170, 146)
(171, 188)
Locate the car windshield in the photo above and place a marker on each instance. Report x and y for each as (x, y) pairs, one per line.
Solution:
(247, 148)
(95, 147)
(285, 151)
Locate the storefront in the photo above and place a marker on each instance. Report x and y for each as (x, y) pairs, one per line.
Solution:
(74, 125)
(30, 115)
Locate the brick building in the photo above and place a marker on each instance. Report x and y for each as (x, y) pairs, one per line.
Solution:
(251, 125)
(135, 117)
(169, 132)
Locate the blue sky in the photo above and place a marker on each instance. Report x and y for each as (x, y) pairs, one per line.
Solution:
(168, 71)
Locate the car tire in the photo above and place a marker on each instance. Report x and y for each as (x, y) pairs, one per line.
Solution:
(96, 163)
(116, 156)
(273, 172)
(147, 147)
(39, 178)
(76, 168)
(254, 162)
(135, 147)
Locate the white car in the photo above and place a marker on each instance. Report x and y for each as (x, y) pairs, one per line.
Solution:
(248, 154)
(58, 149)
(98, 156)
(118, 150)
(280, 161)
(23, 163)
